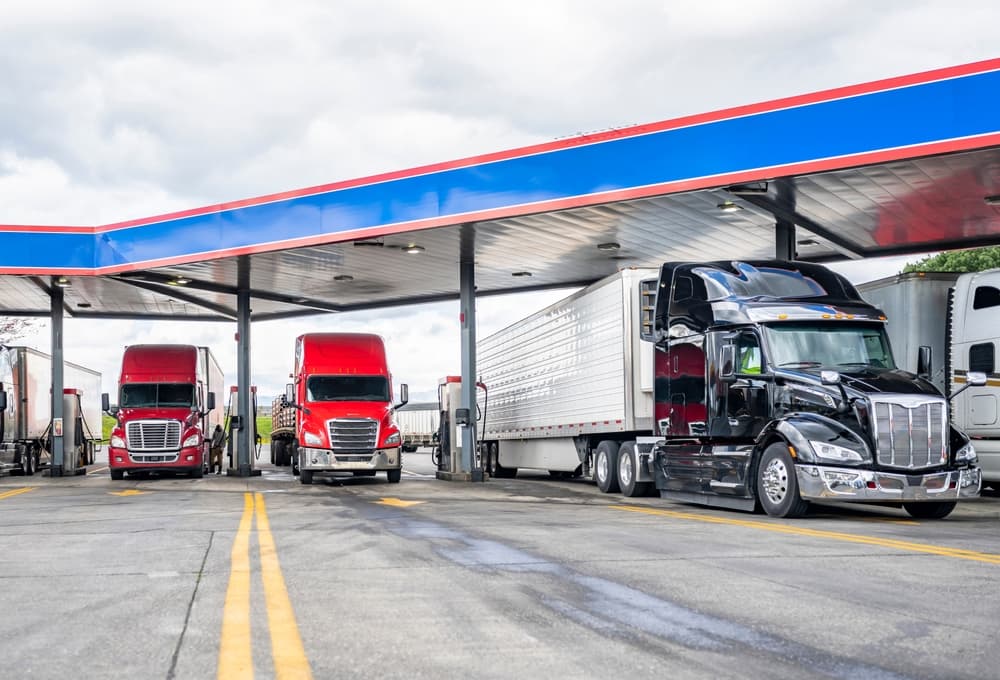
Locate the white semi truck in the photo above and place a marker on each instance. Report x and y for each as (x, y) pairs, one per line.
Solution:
(957, 316)
(418, 421)
(26, 423)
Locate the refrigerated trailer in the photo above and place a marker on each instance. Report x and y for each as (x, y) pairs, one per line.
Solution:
(570, 382)
(957, 317)
(25, 428)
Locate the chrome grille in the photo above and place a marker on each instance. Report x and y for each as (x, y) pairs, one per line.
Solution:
(353, 434)
(153, 435)
(910, 432)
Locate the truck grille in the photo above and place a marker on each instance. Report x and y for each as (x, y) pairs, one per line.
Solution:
(910, 432)
(153, 435)
(353, 434)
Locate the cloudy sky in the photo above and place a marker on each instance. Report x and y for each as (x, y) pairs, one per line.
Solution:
(116, 109)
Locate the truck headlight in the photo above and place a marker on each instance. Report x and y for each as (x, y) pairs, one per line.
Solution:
(393, 439)
(117, 442)
(966, 454)
(191, 440)
(313, 439)
(834, 453)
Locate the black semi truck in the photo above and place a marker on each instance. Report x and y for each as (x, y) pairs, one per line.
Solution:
(775, 386)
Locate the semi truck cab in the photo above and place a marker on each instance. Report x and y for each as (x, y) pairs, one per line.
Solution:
(776, 386)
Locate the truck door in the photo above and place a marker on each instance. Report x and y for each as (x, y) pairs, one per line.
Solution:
(747, 396)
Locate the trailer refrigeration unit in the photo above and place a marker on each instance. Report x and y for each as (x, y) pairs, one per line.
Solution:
(773, 385)
(170, 398)
(419, 423)
(26, 407)
(957, 316)
(337, 415)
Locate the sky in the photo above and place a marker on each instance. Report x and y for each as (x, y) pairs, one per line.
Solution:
(113, 109)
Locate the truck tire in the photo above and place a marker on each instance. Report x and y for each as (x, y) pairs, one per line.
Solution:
(938, 510)
(293, 457)
(628, 470)
(274, 452)
(306, 476)
(198, 472)
(606, 466)
(117, 474)
(777, 486)
(27, 464)
(394, 476)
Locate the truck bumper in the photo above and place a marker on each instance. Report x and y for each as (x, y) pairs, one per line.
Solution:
(324, 459)
(184, 459)
(850, 484)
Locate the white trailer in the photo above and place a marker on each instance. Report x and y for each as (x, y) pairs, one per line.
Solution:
(419, 423)
(957, 315)
(570, 383)
(26, 379)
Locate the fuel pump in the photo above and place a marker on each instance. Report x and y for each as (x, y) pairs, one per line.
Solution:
(77, 451)
(234, 423)
(453, 417)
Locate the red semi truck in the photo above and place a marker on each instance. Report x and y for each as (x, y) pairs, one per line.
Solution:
(338, 414)
(168, 405)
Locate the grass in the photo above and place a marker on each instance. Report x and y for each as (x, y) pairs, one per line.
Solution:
(263, 427)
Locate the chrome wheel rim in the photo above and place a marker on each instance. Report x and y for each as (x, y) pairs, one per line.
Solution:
(625, 469)
(602, 467)
(774, 480)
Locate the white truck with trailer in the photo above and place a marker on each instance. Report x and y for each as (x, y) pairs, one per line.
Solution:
(956, 315)
(418, 421)
(570, 384)
(25, 394)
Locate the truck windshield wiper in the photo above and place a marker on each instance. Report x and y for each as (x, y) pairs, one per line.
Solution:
(800, 364)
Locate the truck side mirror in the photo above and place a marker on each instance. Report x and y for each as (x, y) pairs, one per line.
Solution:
(105, 402)
(972, 379)
(727, 363)
(289, 393)
(404, 394)
(211, 401)
(924, 361)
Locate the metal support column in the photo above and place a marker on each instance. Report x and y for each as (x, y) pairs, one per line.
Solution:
(467, 302)
(56, 319)
(244, 443)
(784, 240)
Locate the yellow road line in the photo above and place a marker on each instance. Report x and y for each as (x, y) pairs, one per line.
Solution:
(926, 548)
(286, 645)
(235, 660)
(17, 492)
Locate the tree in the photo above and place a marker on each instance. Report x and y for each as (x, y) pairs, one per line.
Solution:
(972, 260)
(14, 327)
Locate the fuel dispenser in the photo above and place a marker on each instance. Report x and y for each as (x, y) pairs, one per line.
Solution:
(234, 423)
(78, 444)
(453, 418)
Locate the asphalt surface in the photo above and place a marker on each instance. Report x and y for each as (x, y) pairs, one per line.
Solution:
(525, 578)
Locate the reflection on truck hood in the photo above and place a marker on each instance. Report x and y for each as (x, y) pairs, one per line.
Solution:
(322, 411)
(870, 379)
(182, 414)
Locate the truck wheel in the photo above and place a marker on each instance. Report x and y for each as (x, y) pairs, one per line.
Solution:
(117, 474)
(938, 510)
(198, 472)
(274, 453)
(777, 486)
(628, 469)
(394, 476)
(306, 476)
(606, 466)
(27, 464)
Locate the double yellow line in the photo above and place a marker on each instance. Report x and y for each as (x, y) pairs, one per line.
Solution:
(235, 659)
(17, 492)
(892, 543)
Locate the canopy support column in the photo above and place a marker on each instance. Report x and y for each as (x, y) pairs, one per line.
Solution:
(467, 301)
(784, 240)
(244, 439)
(56, 298)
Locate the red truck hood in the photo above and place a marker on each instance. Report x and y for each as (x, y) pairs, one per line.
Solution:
(185, 415)
(322, 411)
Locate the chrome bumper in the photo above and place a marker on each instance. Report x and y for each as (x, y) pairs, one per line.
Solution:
(848, 484)
(324, 459)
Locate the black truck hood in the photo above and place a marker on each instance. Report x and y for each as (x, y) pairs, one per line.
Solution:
(868, 380)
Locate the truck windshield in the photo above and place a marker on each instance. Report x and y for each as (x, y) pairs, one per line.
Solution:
(347, 388)
(834, 346)
(154, 395)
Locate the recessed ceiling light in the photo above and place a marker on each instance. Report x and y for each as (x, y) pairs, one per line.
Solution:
(179, 281)
(362, 244)
(63, 282)
(83, 305)
(343, 277)
(728, 206)
(413, 249)
(608, 247)
(519, 274)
